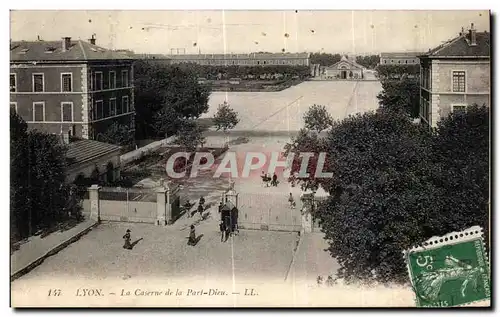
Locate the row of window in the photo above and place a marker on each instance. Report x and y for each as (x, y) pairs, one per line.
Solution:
(250, 62)
(67, 110)
(38, 81)
(413, 61)
(97, 82)
(38, 111)
(101, 111)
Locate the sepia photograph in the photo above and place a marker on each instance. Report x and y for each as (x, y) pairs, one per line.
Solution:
(250, 158)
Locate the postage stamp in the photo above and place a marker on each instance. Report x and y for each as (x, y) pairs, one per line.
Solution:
(452, 270)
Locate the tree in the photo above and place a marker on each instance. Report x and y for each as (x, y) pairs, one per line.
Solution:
(397, 71)
(305, 142)
(378, 196)
(190, 135)
(461, 150)
(40, 196)
(118, 134)
(396, 184)
(369, 61)
(325, 59)
(401, 94)
(166, 90)
(317, 118)
(225, 118)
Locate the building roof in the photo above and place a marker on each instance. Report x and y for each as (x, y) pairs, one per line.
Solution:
(85, 150)
(400, 54)
(225, 56)
(461, 47)
(348, 61)
(53, 51)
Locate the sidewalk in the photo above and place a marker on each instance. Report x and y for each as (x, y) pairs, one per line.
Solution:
(33, 252)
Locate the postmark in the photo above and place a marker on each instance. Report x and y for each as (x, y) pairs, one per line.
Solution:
(452, 270)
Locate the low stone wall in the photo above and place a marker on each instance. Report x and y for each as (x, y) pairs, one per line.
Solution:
(145, 150)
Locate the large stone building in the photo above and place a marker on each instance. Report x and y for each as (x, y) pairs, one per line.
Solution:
(71, 86)
(251, 59)
(400, 58)
(344, 69)
(455, 75)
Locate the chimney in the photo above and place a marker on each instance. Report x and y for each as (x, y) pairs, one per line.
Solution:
(66, 43)
(92, 40)
(472, 35)
(462, 33)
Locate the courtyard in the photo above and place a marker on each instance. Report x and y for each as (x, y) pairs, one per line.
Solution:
(280, 266)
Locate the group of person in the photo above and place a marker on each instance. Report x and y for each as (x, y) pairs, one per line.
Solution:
(268, 180)
(200, 209)
(329, 281)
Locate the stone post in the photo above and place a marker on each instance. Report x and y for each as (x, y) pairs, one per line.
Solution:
(94, 202)
(168, 213)
(161, 214)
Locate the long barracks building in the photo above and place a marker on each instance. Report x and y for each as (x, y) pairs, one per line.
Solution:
(251, 59)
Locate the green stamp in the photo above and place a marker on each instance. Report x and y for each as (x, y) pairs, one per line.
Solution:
(451, 270)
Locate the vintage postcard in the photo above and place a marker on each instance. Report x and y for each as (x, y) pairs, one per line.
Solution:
(250, 158)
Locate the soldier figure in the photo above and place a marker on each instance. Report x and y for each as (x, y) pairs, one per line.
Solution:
(126, 237)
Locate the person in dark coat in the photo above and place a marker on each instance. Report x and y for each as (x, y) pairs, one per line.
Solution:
(222, 229)
(227, 226)
(200, 210)
(275, 180)
(202, 201)
(192, 236)
(127, 238)
(220, 206)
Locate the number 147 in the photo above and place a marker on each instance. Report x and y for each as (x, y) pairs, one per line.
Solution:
(54, 292)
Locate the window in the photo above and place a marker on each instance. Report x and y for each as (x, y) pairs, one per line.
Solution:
(125, 105)
(38, 83)
(125, 82)
(459, 108)
(39, 111)
(13, 106)
(458, 81)
(98, 81)
(105, 111)
(66, 82)
(112, 79)
(98, 110)
(112, 106)
(66, 111)
(424, 109)
(13, 83)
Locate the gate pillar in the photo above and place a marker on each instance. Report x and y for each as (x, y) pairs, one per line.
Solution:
(161, 206)
(94, 202)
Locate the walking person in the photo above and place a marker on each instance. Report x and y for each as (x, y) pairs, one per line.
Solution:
(127, 245)
(222, 229)
(291, 201)
(275, 180)
(200, 210)
(192, 236)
